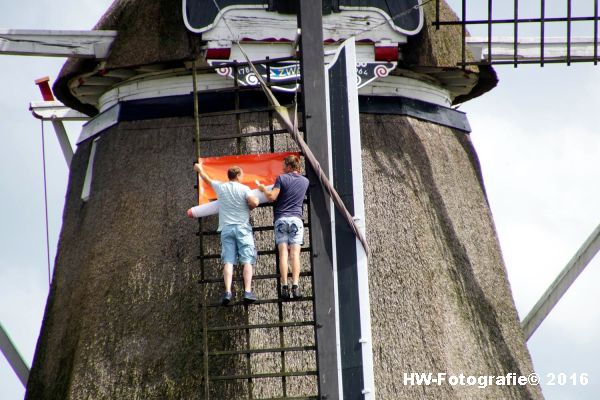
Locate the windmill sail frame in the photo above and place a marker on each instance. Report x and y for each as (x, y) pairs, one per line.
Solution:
(491, 50)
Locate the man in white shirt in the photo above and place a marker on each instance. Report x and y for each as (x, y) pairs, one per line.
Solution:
(237, 241)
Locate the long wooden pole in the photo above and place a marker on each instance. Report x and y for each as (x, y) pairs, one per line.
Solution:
(312, 66)
(14, 358)
(561, 284)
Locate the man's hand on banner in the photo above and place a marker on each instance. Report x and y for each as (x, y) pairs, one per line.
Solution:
(260, 186)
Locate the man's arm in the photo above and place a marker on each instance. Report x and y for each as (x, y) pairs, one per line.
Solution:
(272, 194)
(198, 168)
(252, 201)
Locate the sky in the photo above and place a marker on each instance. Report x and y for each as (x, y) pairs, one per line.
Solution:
(538, 142)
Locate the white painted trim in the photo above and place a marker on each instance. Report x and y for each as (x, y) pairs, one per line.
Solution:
(365, 52)
(59, 43)
(259, 24)
(400, 86)
(86, 191)
(160, 86)
(389, 18)
(55, 111)
(359, 216)
(100, 122)
(555, 48)
(180, 84)
(218, 17)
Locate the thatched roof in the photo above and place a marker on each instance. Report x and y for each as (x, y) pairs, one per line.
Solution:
(438, 52)
(150, 32)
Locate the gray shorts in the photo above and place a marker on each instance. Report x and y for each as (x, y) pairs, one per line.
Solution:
(237, 245)
(289, 230)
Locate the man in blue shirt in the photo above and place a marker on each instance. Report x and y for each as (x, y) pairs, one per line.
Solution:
(237, 242)
(288, 193)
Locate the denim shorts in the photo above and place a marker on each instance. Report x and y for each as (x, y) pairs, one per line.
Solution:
(289, 230)
(237, 245)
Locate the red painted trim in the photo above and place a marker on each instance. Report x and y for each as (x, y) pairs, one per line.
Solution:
(387, 53)
(222, 53)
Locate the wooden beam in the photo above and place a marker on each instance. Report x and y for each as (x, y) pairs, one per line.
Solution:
(561, 284)
(529, 48)
(55, 111)
(13, 357)
(63, 141)
(86, 191)
(312, 64)
(86, 44)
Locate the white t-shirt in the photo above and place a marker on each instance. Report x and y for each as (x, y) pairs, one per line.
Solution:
(233, 206)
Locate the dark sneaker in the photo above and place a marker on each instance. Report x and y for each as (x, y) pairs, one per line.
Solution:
(226, 298)
(285, 292)
(296, 292)
(249, 297)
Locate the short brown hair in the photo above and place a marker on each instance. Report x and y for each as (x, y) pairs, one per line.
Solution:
(292, 161)
(234, 172)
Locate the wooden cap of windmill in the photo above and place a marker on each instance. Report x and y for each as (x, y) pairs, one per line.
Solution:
(151, 39)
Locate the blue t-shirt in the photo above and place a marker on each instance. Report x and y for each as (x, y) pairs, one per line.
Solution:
(233, 208)
(292, 189)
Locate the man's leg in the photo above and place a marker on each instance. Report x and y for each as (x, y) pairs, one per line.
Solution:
(295, 261)
(247, 277)
(227, 276)
(283, 263)
(249, 297)
(295, 241)
(247, 256)
(281, 240)
(228, 256)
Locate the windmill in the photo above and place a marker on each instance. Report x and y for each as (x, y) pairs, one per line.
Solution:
(418, 157)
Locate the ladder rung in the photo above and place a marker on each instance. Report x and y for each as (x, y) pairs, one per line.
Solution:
(254, 278)
(292, 398)
(259, 351)
(266, 301)
(239, 111)
(247, 134)
(261, 326)
(259, 376)
(259, 252)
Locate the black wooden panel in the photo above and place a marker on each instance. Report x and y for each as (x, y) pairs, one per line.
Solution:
(202, 13)
(315, 125)
(346, 257)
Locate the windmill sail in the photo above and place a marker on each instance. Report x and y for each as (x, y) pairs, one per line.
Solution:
(533, 35)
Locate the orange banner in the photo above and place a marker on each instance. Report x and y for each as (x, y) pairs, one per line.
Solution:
(262, 167)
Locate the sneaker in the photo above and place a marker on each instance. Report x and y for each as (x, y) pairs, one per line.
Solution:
(249, 297)
(226, 298)
(296, 292)
(285, 292)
